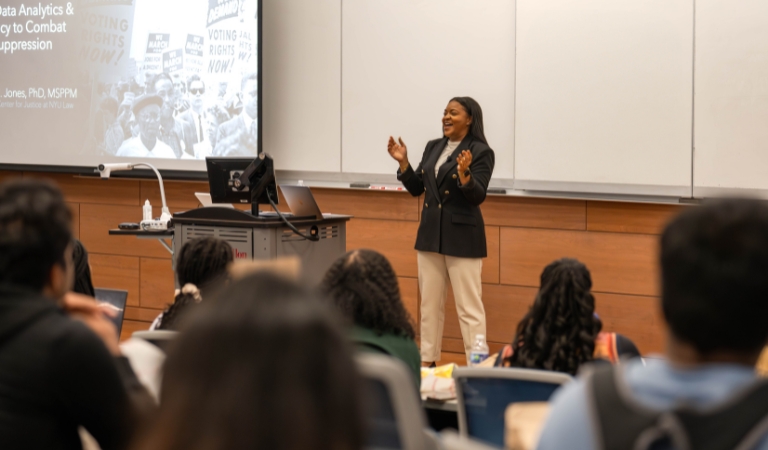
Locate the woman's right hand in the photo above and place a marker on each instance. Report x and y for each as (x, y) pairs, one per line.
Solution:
(399, 152)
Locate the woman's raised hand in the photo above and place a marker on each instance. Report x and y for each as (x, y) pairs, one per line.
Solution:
(464, 160)
(399, 152)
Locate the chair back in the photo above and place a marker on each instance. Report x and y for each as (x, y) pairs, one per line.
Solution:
(483, 395)
(160, 338)
(395, 419)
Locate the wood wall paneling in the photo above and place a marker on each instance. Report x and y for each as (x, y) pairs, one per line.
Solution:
(639, 318)
(157, 283)
(619, 263)
(74, 208)
(129, 326)
(178, 194)
(6, 175)
(450, 357)
(97, 220)
(394, 239)
(79, 189)
(116, 272)
(535, 213)
(141, 314)
(629, 217)
(491, 268)
(453, 345)
(365, 204)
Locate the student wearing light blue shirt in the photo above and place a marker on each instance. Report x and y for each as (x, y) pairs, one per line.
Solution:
(714, 261)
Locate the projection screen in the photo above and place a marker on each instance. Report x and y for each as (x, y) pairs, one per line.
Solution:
(169, 82)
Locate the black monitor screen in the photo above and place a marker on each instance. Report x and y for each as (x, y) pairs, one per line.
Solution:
(221, 175)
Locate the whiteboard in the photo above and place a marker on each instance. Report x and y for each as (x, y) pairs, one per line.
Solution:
(402, 60)
(731, 102)
(604, 96)
(302, 89)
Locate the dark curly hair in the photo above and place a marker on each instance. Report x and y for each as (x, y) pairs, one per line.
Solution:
(364, 287)
(558, 332)
(202, 262)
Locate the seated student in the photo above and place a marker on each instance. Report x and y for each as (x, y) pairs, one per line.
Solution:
(83, 284)
(364, 288)
(561, 331)
(200, 264)
(260, 366)
(56, 373)
(714, 260)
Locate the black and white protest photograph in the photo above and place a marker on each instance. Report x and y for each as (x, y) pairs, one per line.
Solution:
(168, 79)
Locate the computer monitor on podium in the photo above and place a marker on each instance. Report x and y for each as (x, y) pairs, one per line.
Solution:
(240, 180)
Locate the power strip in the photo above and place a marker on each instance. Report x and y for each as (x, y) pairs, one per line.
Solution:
(153, 225)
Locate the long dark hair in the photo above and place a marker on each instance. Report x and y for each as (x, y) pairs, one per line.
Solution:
(558, 332)
(83, 283)
(364, 287)
(474, 111)
(260, 365)
(201, 262)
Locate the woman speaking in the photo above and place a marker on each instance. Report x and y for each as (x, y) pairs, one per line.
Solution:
(453, 174)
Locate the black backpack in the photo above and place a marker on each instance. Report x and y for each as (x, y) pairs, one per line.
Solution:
(621, 423)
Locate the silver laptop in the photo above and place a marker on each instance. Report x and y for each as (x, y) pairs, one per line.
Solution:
(301, 201)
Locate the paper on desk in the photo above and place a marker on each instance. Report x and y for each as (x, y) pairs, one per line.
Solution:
(437, 383)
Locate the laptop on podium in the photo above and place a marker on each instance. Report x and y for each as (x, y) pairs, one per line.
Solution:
(301, 201)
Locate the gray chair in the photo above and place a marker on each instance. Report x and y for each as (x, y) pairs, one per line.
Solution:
(449, 440)
(395, 419)
(483, 395)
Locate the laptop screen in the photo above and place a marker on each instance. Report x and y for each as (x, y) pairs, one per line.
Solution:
(301, 201)
(116, 299)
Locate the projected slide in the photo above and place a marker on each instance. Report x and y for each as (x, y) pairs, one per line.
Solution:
(85, 81)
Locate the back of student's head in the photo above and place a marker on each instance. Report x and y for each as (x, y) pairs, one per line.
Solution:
(83, 282)
(201, 263)
(364, 287)
(35, 231)
(261, 365)
(558, 332)
(714, 270)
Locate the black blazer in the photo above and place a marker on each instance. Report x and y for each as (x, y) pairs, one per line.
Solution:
(451, 221)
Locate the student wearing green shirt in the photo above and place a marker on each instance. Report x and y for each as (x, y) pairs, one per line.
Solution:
(364, 288)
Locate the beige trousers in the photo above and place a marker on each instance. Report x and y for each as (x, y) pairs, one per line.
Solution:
(435, 270)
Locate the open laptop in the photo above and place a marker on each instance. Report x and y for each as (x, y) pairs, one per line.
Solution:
(116, 299)
(301, 201)
(205, 199)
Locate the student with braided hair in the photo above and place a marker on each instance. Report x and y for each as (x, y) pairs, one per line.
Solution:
(200, 264)
(561, 331)
(364, 288)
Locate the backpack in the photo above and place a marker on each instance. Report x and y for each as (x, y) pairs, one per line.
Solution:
(622, 423)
